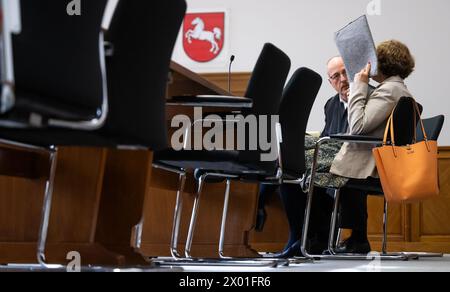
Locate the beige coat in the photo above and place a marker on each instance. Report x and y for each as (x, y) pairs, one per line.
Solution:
(367, 115)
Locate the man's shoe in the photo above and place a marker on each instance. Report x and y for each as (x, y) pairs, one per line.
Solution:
(353, 246)
(292, 251)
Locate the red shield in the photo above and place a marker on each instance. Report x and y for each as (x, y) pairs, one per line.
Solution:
(203, 35)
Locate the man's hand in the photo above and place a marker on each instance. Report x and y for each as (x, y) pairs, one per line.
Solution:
(364, 75)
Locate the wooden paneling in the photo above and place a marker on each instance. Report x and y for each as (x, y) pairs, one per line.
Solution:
(432, 218)
(78, 181)
(127, 175)
(20, 205)
(239, 81)
(398, 220)
(184, 82)
(12, 162)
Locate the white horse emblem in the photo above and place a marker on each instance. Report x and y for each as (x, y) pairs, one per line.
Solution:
(199, 33)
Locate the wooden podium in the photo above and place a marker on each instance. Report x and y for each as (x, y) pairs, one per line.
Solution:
(100, 195)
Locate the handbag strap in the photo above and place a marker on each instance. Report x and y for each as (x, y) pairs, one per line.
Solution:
(390, 126)
(425, 137)
(415, 121)
(417, 111)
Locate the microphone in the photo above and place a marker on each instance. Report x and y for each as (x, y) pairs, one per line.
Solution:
(229, 73)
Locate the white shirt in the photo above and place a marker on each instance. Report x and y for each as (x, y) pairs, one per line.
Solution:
(345, 103)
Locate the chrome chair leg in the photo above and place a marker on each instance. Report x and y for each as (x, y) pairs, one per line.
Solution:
(335, 256)
(224, 221)
(307, 215)
(385, 224)
(338, 237)
(224, 262)
(309, 200)
(47, 204)
(280, 262)
(178, 207)
(334, 217)
(194, 216)
(177, 217)
(138, 229)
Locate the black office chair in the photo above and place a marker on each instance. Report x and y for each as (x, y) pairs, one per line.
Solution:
(265, 89)
(433, 127)
(295, 109)
(405, 125)
(59, 68)
(137, 79)
(298, 100)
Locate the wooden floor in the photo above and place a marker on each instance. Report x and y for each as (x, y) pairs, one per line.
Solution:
(416, 266)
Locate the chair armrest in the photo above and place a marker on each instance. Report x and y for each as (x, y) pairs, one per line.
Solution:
(356, 139)
(110, 9)
(211, 101)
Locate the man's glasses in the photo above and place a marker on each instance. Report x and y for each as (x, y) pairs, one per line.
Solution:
(338, 76)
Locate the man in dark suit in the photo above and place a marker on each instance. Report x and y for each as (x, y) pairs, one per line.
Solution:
(353, 203)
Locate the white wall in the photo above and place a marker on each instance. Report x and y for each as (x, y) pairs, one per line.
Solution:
(304, 30)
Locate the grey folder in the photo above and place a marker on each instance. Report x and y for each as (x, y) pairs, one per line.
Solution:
(356, 46)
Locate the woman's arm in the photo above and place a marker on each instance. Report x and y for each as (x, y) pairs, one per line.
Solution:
(367, 113)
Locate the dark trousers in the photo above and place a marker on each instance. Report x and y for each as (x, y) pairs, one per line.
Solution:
(353, 210)
(265, 191)
(294, 202)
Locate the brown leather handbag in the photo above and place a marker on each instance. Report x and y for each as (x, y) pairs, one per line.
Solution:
(408, 173)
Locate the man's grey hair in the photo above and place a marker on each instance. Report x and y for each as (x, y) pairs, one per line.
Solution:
(332, 58)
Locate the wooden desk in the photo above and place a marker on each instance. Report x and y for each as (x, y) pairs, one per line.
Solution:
(101, 194)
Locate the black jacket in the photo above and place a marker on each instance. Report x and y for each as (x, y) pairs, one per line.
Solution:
(336, 117)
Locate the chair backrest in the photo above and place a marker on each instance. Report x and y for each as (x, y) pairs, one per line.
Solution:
(143, 36)
(298, 98)
(404, 126)
(433, 128)
(265, 89)
(58, 60)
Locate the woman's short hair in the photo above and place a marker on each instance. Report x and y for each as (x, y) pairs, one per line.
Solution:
(395, 59)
